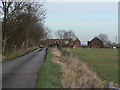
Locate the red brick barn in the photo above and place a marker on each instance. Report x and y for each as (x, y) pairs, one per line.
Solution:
(61, 42)
(41, 42)
(49, 41)
(95, 43)
(71, 44)
(77, 43)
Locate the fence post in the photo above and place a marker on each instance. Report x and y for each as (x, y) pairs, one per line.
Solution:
(109, 85)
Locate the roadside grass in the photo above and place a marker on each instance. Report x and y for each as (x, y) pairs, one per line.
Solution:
(17, 54)
(103, 61)
(0, 54)
(0, 59)
(50, 73)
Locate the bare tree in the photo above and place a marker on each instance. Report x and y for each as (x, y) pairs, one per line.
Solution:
(60, 34)
(23, 24)
(63, 34)
(10, 10)
(103, 37)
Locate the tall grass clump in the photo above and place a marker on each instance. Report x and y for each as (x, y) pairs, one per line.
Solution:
(78, 74)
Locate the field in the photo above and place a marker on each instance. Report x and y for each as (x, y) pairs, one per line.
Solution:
(102, 61)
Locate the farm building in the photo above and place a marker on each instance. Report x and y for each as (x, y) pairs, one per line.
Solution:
(77, 43)
(61, 42)
(95, 43)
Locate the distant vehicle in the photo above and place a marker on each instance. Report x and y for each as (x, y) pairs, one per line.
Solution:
(114, 47)
(41, 46)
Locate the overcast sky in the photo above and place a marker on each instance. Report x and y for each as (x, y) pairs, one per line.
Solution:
(86, 19)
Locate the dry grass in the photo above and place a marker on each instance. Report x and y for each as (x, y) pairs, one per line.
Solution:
(0, 55)
(15, 54)
(76, 73)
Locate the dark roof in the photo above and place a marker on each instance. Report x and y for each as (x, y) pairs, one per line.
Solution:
(96, 39)
(56, 39)
(50, 40)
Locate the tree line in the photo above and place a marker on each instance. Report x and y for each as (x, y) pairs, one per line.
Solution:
(22, 24)
(69, 34)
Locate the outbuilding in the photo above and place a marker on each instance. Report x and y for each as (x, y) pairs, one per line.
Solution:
(95, 43)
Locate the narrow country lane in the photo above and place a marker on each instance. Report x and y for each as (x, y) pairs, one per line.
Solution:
(22, 72)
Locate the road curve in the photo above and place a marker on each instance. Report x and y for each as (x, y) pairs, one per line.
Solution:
(22, 72)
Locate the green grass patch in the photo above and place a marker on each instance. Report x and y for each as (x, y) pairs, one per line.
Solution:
(50, 73)
(0, 59)
(17, 54)
(61, 61)
(102, 61)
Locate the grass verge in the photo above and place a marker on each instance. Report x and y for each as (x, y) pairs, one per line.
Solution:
(17, 53)
(50, 73)
(103, 61)
(76, 73)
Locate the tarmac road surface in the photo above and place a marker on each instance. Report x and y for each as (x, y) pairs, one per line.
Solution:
(22, 72)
